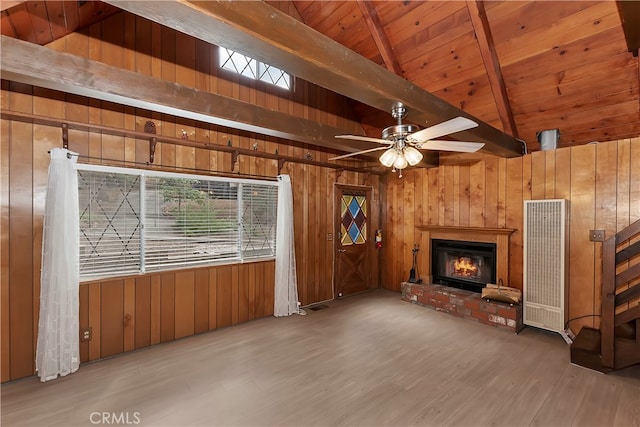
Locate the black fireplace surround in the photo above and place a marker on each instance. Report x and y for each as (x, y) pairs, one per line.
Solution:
(462, 264)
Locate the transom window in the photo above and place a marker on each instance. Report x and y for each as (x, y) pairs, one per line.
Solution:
(252, 68)
(135, 221)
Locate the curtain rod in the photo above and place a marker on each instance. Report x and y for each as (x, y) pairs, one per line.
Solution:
(235, 151)
(167, 168)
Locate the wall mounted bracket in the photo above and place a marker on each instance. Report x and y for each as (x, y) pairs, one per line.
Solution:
(65, 136)
(150, 127)
(152, 149)
(281, 163)
(234, 159)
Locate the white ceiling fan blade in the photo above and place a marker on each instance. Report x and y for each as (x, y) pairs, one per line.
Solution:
(460, 146)
(344, 156)
(365, 138)
(457, 124)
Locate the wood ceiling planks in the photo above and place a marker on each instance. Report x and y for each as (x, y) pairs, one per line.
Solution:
(492, 66)
(379, 36)
(414, 37)
(6, 27)
(20, 23)
(63, 18)
(586, 23)
(44, 21)
(510, 19)
(557, 57)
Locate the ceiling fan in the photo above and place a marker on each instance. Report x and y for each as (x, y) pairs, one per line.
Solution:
(402, 141)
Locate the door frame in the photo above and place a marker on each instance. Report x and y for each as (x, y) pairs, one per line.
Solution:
(368, 190)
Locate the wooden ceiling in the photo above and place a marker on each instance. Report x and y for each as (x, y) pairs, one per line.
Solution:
(519, 66)
(563, 65)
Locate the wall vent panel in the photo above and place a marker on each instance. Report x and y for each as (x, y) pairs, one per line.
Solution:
(545, 260)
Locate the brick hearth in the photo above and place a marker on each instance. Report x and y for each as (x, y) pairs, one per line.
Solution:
(465, 304)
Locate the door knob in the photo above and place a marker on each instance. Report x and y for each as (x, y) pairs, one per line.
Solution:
(342, 250)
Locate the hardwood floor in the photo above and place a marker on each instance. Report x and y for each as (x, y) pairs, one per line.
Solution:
(370, 359)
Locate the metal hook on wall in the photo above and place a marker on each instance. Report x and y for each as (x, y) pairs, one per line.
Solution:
(65, 136)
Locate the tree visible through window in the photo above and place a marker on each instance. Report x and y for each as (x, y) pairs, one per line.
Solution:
(249, 67)
(137, 221)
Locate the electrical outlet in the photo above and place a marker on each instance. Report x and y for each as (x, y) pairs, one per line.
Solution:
(329, 236)
(596, 235)
(85, 334)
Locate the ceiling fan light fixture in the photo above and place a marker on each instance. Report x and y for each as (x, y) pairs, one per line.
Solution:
(412, 155)
(403, 141)
(389, 157)
(400, 162)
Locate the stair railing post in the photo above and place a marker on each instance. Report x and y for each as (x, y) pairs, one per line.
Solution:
(607, 325)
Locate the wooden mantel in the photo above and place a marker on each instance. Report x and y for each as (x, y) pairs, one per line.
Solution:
(472, 230)
(499, 236)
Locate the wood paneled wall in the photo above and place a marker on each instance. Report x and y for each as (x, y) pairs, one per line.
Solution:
(139, 311)
(601, 182)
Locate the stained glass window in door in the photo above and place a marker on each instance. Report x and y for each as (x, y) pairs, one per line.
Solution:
(353, 230)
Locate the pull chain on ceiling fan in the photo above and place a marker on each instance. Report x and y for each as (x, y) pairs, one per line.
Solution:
(403, 141)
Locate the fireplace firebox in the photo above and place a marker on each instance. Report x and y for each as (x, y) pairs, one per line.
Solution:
(462, 264)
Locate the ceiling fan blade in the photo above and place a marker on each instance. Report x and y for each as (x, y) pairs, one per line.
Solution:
(365, 138)
(457, 124)
(460, 146)
(344, 156)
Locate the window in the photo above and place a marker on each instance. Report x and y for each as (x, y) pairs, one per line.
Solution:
(249, 67)
(135, 221)
(353, 226)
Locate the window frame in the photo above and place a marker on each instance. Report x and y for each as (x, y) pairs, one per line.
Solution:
(260, 69)
(239, 257)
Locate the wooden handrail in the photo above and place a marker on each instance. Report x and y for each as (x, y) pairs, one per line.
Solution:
(629, 232)
(611, 257)
(607, 326)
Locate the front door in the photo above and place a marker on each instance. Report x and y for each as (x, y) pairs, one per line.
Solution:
(353, 243)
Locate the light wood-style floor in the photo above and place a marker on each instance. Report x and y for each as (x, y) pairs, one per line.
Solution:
(370, 359)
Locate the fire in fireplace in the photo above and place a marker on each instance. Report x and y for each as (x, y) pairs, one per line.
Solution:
(463, 264)
(465, 267)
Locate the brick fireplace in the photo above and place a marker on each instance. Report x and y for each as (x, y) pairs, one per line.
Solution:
(465, 304)
(465, 300)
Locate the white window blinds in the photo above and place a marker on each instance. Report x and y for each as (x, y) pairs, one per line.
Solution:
(109, 222)
(133, 221)
(258, 206)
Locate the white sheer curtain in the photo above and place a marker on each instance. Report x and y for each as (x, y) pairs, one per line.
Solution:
(286, 287)
(57, 349)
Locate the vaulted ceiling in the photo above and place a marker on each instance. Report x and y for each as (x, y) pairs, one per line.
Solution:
(518, 66)
(521, 66)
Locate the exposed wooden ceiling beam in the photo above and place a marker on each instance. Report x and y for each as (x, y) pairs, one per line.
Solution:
(32, 64)
(492, 64)
(372, 20)
(630, 16)
(259, 30)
